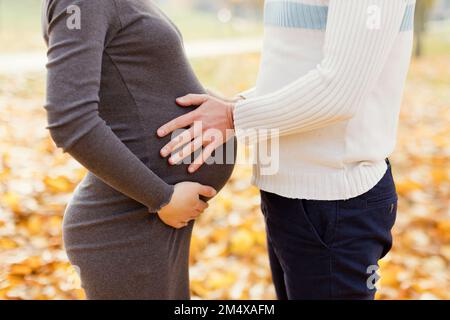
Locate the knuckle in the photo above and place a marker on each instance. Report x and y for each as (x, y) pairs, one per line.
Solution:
(195, 115)
(191, 116)
(172, 145)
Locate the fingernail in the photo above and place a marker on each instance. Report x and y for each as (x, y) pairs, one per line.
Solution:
(180, 99)
(191, 170)
(164, 152)
(161, 132)
(173, 160)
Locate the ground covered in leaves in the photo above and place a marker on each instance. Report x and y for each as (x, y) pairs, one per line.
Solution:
(228, 254)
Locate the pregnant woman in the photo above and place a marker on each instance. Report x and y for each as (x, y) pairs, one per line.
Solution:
(115, 69)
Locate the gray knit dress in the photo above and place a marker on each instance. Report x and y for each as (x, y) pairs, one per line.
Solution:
(115, 68)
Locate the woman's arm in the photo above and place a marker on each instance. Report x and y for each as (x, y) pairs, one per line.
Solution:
(74, 74)
(354, 56)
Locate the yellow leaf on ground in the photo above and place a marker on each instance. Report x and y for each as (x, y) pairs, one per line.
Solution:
(58, 184)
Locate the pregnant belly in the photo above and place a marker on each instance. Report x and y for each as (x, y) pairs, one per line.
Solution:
(138, 129)
(215, 173)
(159, 112)
(94, 199)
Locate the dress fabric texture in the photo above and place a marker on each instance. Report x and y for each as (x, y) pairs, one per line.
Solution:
(112, 82)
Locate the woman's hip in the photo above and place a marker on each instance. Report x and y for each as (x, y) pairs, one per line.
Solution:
(128, 255)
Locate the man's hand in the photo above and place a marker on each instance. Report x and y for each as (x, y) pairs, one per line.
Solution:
(211, 125)
(185, 204)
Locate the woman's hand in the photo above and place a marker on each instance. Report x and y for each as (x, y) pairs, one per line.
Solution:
(185, 204)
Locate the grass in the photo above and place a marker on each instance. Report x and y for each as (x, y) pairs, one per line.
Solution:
(237, 72)
(437, 41)
(23, 15)
(20, 28)
(197, 25)
(20, 25)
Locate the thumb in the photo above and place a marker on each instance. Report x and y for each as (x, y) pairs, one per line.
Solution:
(192, 100)
(206, 191)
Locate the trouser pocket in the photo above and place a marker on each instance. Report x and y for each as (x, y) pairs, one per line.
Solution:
(321, 217)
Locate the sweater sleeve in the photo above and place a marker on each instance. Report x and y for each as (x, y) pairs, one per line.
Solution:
(248, 94)
(355, 52)
(75, 54)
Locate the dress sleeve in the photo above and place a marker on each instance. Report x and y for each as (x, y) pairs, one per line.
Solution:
(75, 51)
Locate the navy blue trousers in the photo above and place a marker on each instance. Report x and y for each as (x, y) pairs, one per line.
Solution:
(329, 250)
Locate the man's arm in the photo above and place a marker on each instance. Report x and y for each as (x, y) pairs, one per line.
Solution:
(248, 94)
(354, 56)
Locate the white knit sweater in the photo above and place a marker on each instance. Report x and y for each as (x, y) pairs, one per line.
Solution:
(331, 81)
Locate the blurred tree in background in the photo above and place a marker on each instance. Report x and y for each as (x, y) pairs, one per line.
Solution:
(423, 8)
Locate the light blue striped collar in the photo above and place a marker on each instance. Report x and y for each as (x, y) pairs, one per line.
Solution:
(313, 17)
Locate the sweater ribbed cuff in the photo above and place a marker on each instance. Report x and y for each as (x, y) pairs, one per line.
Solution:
(243, 134)
(247, 94)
